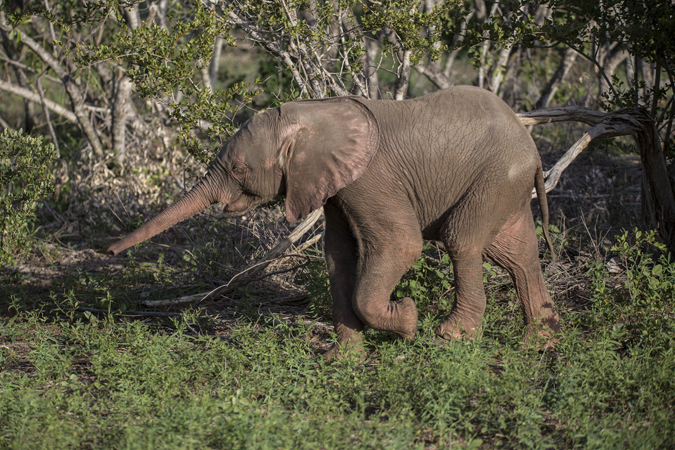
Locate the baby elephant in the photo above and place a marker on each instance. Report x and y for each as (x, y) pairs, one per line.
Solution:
(455, 166)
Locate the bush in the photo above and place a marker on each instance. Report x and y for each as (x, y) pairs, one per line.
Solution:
(639, 308)
(25, 177)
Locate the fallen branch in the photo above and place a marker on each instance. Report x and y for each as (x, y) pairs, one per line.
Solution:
(247, 275)
(302, 248)
(231, 286)
(619, 123)
(569, 113)
(282, 246)
(177, 301)
(309, 243)
(659, 195)
(130, 314)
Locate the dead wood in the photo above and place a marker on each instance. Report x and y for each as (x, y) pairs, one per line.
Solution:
(131, 314)
(248, 275)
(659, 199)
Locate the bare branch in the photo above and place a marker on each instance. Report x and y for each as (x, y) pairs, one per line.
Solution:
(659, 198)
(435, 74)
(345, 60)
(597, 64)
(254, 32)
(255, 269)
(562, 114)
(73, 90)
(619, 123)
(602, 130)
(33, 97)
(4, 124)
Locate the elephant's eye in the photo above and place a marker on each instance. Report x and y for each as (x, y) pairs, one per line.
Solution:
(239, 169)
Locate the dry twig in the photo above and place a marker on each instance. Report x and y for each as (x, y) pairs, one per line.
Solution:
(247, 275)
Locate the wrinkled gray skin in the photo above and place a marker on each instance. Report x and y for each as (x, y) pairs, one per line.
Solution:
(456, 166)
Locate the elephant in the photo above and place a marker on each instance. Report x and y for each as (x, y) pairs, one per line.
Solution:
(455, 166)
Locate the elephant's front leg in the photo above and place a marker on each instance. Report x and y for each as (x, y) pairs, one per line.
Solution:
(383, 260)
(341, 253)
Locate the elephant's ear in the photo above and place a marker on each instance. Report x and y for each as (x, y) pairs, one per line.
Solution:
(327, 144)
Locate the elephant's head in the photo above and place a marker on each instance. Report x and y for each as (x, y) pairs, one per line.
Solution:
(307, 150)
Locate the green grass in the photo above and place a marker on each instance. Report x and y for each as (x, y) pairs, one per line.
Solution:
(263, 387)
(99, 382)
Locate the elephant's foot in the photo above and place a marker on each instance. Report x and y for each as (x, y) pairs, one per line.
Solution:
(541, 335)
(398, 317)
(347, 346)
(404, 322)
(456, 328)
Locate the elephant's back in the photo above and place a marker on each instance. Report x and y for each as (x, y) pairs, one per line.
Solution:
(443, 145)
(460, 127)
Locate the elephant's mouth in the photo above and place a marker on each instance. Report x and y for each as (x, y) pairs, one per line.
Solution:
(237, 207)
(244, 203)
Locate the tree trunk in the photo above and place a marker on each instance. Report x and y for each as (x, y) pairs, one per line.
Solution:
(659, 199)
(611, 63)
(560, 74)
(510, 86)
(29, 107)
(372, 50)
(498, 73)
(131, 16)
(483, 74)
(403, 77)
(213, 67)
(119, 116)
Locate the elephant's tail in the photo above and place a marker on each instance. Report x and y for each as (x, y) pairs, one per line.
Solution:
(540, 187)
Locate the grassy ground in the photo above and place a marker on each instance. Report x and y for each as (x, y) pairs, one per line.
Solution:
(234, 373)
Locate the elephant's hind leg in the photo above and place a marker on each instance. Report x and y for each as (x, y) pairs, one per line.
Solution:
(465, 234)
(466, 317)
(515, 249)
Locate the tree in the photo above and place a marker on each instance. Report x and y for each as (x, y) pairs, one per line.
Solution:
(133, 72)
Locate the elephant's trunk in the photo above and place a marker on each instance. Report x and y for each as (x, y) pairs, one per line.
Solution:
(200, 197)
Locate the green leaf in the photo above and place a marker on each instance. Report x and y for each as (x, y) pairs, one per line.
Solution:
(657, 270)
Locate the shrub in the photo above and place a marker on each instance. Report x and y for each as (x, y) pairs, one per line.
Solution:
(640, 306)
(25, 177)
